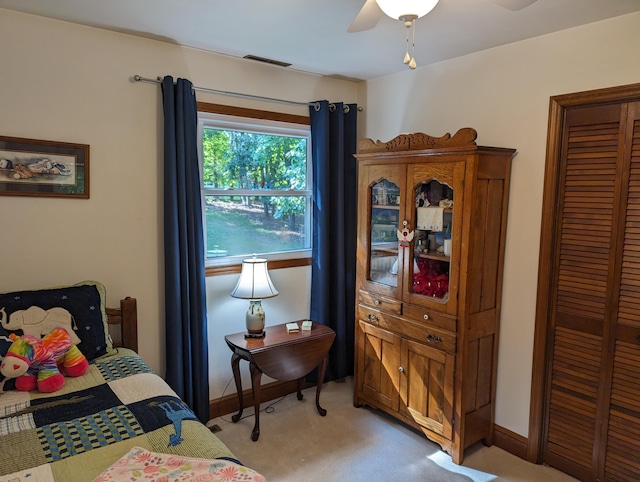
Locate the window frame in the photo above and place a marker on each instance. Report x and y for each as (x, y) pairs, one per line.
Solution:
(297, 258)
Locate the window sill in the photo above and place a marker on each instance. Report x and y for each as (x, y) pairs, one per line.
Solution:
(275, 264)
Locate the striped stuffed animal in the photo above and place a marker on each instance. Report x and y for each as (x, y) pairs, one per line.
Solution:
(36, 362)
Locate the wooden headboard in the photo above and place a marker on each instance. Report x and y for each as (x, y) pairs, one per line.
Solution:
(123, 324)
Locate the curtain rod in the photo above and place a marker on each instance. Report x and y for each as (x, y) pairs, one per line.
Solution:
(316, 105)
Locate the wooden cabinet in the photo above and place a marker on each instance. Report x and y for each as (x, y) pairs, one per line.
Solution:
(586, 395)
(431, 227)
(406, 376)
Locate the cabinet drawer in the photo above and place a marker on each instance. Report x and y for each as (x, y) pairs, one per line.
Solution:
(381, 303)
(422, 332)
(433, 318)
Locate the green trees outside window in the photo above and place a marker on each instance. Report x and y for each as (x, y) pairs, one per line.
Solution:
(256, 191)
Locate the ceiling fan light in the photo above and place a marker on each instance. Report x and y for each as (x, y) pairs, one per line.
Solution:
(400, 8)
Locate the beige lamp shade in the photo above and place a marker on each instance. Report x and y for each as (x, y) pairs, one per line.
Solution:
(254, 282)
(402, 8)
(254, 285)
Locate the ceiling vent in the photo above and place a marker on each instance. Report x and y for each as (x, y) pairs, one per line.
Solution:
(267, 61)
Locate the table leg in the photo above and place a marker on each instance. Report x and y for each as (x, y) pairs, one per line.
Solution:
(300, 388)
(256, 375)
(322, 368)
(235, 368)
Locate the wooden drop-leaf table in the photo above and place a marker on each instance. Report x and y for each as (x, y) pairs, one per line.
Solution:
(282, 356)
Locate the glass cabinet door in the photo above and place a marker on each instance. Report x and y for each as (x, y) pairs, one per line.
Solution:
(432, 239)
(385, 218)
(382, 194)
(435, 206)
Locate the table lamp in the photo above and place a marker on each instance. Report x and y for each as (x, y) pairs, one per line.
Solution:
(254, 285)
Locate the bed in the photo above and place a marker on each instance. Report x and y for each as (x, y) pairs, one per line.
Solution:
(119, 421)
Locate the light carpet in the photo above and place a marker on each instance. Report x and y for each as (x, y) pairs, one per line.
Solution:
(358, 444)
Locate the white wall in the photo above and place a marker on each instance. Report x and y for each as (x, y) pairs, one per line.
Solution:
(504, 94)
(227, 315)
(65, 82)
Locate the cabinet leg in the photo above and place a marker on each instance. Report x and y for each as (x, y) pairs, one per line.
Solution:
(256, 375)
(235, 368)
(457, 456)
(487, 441)
(321, 370)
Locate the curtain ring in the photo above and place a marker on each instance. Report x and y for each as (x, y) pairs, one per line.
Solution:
(332, 107)
(316, 106)
(345, 109)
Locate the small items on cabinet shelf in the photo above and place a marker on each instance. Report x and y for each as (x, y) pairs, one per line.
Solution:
(434, 255)
(386, 206)
(385, 195)
(385, 251)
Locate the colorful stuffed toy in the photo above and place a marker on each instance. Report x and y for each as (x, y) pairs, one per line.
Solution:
(36, 362)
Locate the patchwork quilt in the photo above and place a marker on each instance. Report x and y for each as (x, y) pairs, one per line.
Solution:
(78, 432)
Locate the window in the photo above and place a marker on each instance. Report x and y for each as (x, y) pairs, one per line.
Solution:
(256, 192)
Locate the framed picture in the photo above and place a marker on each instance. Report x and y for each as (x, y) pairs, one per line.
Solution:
(30, 167)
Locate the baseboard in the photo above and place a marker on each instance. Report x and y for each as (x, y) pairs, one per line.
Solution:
(510, 441)
(271, 391)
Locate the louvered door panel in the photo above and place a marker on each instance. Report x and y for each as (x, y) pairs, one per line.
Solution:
(622, 461)
(629, 297)
(581, 294)
(585, 235)
(574, 395)
(623, 441)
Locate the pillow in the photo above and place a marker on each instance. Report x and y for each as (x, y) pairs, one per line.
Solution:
(79, 308)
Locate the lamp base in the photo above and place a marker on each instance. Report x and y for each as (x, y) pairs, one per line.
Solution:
(255, 320)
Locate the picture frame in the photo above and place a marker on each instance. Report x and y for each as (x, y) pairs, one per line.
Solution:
(31, 167)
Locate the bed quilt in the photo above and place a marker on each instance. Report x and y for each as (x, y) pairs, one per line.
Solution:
(79, 431)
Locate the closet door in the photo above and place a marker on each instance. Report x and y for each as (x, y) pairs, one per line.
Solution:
(582, 280)
(585, 403)
(623, 425)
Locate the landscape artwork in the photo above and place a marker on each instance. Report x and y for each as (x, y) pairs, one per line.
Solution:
(30, 167)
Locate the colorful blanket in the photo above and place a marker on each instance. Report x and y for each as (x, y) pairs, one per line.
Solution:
(140, 465)
(79, 431)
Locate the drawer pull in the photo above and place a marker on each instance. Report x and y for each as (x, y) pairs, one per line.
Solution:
(400, 369)
(433, 339)
(372, 318)
(426, 317)
(377, 302)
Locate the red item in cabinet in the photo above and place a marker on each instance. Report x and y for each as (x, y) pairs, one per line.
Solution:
(432, 280)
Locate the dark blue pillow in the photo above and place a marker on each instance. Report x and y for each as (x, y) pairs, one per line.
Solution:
(79, 308)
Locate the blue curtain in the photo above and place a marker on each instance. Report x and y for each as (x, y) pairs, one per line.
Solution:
(333, 141)
(185, 296)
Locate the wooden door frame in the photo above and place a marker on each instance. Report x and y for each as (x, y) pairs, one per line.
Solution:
(558, 106)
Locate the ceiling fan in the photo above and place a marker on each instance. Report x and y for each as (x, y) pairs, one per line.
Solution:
(373, 10)
(408, 11)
